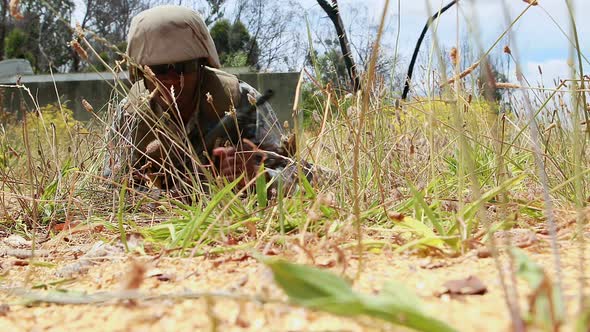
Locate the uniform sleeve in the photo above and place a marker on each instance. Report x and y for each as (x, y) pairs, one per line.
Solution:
(128, 134)
(117, 133)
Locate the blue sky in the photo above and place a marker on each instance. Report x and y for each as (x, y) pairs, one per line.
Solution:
(537, 40)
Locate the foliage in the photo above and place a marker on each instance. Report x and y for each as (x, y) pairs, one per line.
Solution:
(322, 290)
(16, 45)
(488, 76)
(333, 68)
(234, 44)
(545, 308)
(47, 33)
(48, 129)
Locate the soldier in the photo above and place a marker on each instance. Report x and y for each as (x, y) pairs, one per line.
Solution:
(178, 96)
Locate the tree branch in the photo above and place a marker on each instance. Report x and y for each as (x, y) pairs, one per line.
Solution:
(334, 15)
(418, 44)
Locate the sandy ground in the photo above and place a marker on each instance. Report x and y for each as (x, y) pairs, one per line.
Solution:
(239, 274)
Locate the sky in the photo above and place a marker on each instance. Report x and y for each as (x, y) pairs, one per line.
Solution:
(536, 38)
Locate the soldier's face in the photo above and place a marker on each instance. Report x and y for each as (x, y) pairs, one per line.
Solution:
(173, 86)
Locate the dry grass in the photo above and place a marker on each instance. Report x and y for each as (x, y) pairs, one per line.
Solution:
(435, 178)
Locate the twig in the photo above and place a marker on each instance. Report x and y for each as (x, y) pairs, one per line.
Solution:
(106, 297)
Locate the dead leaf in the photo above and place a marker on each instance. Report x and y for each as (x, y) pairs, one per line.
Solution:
(241, 322)
(4, 309)
(166, 277)
(251, 226)
(231, 241)
(20, 262)
(395, 216)
(23, 253)
(484, 252)
(75, 227)
(239, 284)
(270, 252)
(241, 258)
(327, 264)
(429, 264)
(160, 275)
(469, 286)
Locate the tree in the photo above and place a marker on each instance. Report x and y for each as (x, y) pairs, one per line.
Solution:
(334, 14)
(488, 76)
(98, 18)
(234, 44)
(16, 46)
(47, 23)
(212, 10)
(333, 68)
(276, 27)
(43, 31)
(3, 24)
(417, 47)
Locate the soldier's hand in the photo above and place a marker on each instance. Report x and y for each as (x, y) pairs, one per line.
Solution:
(233, 162)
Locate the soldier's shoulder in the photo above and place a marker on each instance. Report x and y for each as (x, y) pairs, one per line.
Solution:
(224, 88)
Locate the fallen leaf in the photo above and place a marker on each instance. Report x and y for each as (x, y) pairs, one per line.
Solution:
(241, 258)
(75, 227)
(166, 277)
(484, 253)
(270, 252)
(469, 286)
(327, 264)
(4, 309)
(20, 262)
(241, 322)
(251, 226)
(231, 241)
(240, 283)
(545, 306)
(160, 275)
(322, 290)
(428, 264)
(395, 216)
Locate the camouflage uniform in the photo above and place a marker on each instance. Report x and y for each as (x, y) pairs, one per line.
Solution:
(140, 123)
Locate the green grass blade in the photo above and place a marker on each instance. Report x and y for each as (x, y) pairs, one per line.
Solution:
(322, 290)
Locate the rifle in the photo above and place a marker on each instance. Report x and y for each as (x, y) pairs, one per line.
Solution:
(232, 127)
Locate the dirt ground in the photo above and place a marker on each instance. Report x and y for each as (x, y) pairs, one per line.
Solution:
(238, 273)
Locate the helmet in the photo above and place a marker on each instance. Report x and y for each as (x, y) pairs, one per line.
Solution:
(170, 34)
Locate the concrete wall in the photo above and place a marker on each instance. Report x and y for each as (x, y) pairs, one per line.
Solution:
(98, 90)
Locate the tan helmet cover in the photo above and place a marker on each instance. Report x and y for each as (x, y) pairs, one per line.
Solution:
(169, 34)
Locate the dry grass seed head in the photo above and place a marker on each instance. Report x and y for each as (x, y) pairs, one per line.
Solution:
(78, 49)
(79, 31)
(454, 56)
(14, 10)
(87, 106)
